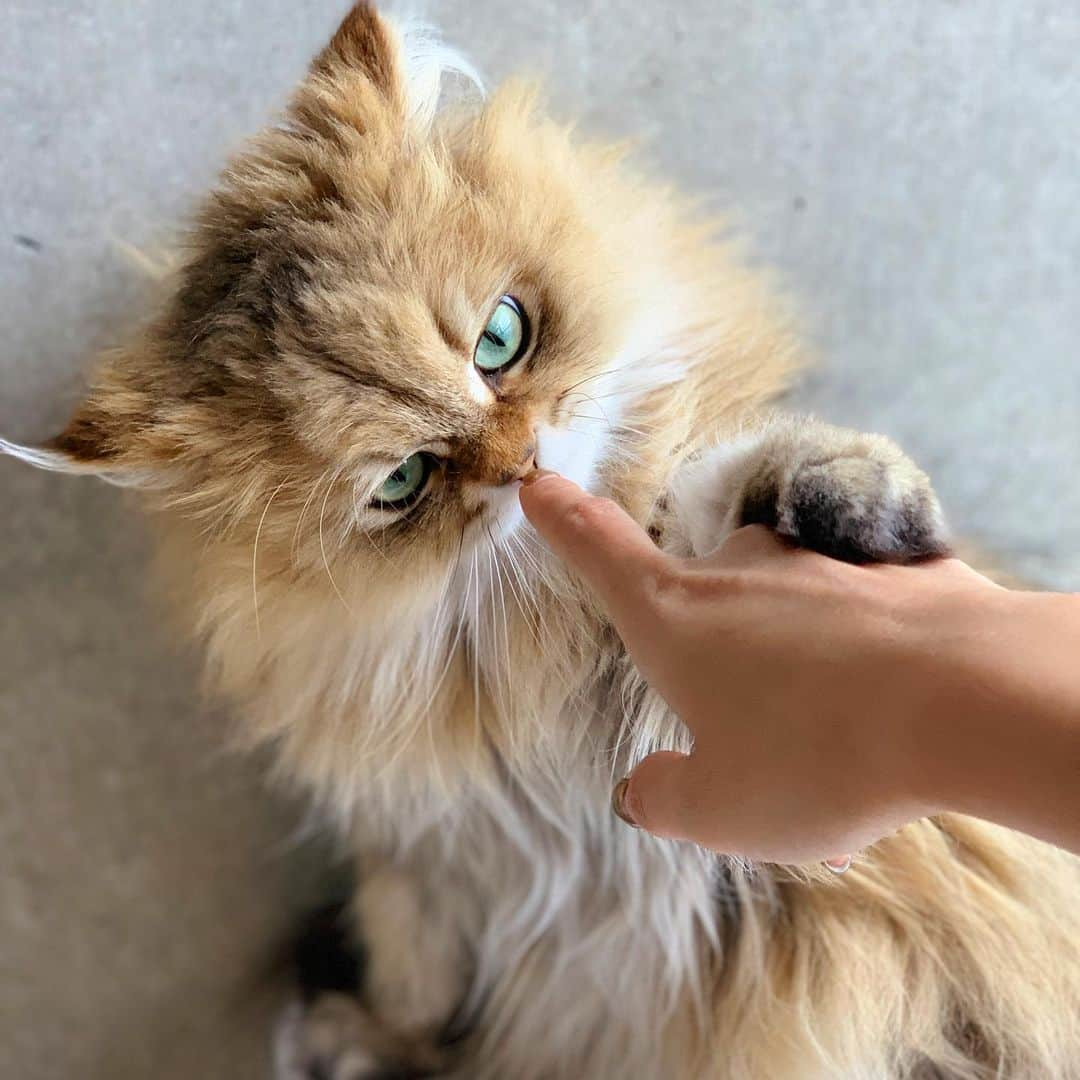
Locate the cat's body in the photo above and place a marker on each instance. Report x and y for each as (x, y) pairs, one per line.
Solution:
(453, 698)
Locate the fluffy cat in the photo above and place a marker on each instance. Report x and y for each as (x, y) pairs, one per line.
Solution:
(388, 312)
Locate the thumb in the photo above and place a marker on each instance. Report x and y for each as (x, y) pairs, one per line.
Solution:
(595, 537)
(656, 797)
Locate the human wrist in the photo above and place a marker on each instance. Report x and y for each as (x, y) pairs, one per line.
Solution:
(995, 737)
(946, 646)
(1031, 759)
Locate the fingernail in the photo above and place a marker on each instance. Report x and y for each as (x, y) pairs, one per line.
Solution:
(619, 803)
(536, 476)
(839, 865)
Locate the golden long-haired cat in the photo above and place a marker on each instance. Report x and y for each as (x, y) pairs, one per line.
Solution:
(389, 311)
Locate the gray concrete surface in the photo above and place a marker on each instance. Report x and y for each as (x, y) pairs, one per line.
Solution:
(912, 169)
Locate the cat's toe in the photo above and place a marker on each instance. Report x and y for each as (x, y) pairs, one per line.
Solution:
(862, 501)
(335, 1038)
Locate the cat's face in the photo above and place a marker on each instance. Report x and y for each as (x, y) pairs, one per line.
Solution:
(386, 320)
(448, 327)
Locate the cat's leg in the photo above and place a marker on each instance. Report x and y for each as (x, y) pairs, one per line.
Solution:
(852, 496)
(414, 977)
(417, 968)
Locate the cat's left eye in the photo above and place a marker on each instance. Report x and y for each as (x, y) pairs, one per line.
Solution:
(505, 338)
(407, 484)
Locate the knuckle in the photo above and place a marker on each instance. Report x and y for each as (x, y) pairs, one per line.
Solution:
(750, 540)
(590, 514)
(666, 585)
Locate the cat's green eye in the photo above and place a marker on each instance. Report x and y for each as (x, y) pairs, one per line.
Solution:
(505, 338)
(406, 484)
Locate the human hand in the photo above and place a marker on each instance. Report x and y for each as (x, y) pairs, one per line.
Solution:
(804, 681)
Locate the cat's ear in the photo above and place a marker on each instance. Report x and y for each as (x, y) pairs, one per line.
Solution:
(82, 449)
(403, 62)
(110, 435)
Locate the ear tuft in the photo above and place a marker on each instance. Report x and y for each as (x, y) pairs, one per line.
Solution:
(40, 457)
(426, 61)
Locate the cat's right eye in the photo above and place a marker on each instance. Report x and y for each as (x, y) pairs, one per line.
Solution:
(407, 484)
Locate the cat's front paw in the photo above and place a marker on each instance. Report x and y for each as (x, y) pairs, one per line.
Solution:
(335, 1038)
(848, 495)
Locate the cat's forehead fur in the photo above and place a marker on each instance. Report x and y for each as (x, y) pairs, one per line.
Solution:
(363, 255)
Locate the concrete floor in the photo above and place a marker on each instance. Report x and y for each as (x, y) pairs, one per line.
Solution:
(911, 169)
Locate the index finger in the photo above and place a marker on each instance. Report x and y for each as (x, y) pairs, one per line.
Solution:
(597, 538)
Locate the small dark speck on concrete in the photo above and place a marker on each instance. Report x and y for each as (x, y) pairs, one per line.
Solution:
(28, 242)
(656, 82)
(798, 203)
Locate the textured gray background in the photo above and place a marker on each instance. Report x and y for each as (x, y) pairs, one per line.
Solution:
(910, 168)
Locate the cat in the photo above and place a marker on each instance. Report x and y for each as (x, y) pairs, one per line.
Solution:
(391, 308)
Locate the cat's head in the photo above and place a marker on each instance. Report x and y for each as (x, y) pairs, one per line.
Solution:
(391, 310)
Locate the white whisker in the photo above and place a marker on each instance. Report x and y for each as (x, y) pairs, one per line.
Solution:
(255, 557)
